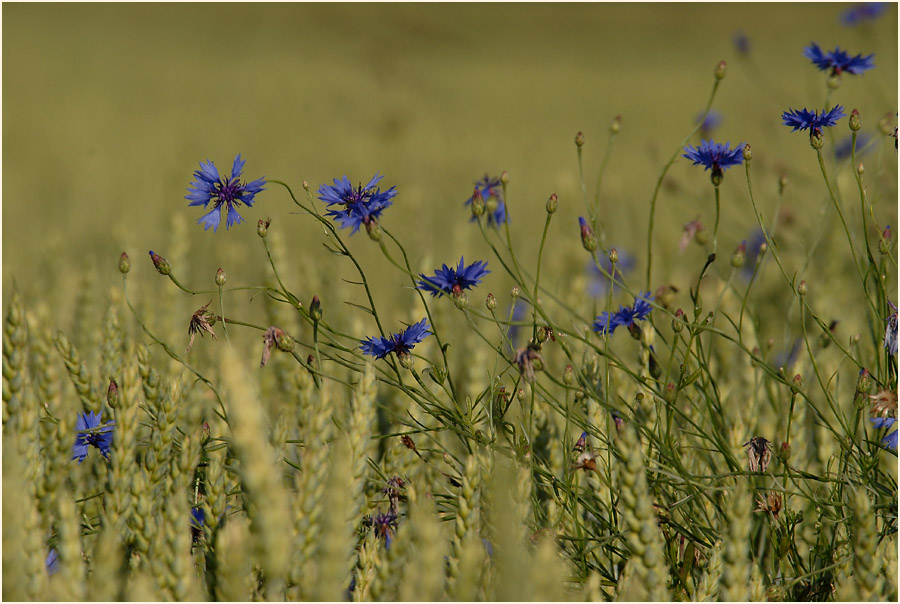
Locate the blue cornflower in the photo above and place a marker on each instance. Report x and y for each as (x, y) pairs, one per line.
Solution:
(741, 42)
(354, 207)
(890, 440)
(890, 332)
(452, 281)
(803, 119)
(844, 148)
(385, 525)
(837, 60)
(224, 193)
(599, 283)
(757, 238)
(399, 343)
(91, 433)
(625, 316)
(52, 562)
(490, 190)
(716, 157)
(709, 121)
(581, 444)
(863, 12)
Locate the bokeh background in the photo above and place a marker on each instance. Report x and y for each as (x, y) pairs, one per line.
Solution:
(108, 109)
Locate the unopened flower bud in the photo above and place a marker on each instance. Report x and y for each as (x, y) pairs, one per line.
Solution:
(782, 183)
(720, 70)
(796, 383)
(802, 289)
(669, 393)
(616, 124)
(514, 292)
(306, 186)
(854, 120)
(283, 341)
(860, 169)
(504, 178)
(569, 375)
(112, 394)
(552, 204)
(579, 139)
(763, 248)
(543, 334)
(491, 302)
(678, 321)
(315, 309)
(740, 255)
(588, 239)
(864, 382)
(701, 236)
(748, 155)
(613, 256)
(854, 339)
(220, 277)
(520, 394)
(884, 246)
(262, 227)
(161, 264)
(373, 230)
(124, 264)
(784, 452)
(478, 204)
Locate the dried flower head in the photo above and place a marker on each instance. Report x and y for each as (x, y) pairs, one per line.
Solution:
(770, 503)
(201, 321)
(275, 337)
(759, 453)
(587, 461)
(529, 359)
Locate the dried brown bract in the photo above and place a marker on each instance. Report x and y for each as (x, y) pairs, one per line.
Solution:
(202, 320)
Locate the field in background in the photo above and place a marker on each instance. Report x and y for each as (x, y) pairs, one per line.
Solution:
(108, 110)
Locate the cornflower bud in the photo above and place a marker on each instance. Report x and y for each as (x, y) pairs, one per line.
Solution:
(720, 70)
(884, 246)
(262, 227)
(796, 383)
(124, 264)
(520, 394)
(478, 205)
(613, 256)
(283, 341)
(514, 293)
(542, 334)
(784, 452)
(860, 169)
(552, 204)
(315, 309)
(220, 277)
(678, 321)
(616, 124)
(504, 178)
(579, 139)
(588, 239)
(802, 289)
(740, 255)
(491, 302)
(162, 265)
(669, 393)
(569, 375)
(854, 120)
(864, 382)
(112, 394)
(748, 155)
(306, 186)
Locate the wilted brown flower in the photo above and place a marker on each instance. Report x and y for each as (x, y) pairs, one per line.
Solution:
(202, 320)
(771, 503)
(525, 358)
(275, 337)
(759, 452)
(884, 403)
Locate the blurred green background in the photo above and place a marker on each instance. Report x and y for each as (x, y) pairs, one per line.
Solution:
(108, 109)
